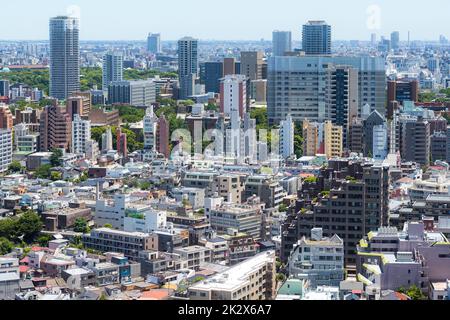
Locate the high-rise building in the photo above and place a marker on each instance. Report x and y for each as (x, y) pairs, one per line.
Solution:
(55, 128)
(289, 93)
(112, 69)
(373, 39)
(395, 40)
(187, 65)
(6, 149)
(64, 57)
(150, 130)
(416, 141)
(317, 37)
(154, 43)
(6, 117)
(233, 95)
(282, 42)
(213, 74)
(287, 131)
(79, 103)
(4, 88)
(252, 64)
(81, 134)
(229, 66)
(374, 120)
(163, 136)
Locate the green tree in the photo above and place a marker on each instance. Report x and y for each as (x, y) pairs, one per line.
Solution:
(260, 115)
(81, 225)
(6, 246)
(109, 226)
(43, 172)
(146, 185)
(29, 225)
(43, 240)
(283, 208)
(413, 292)
(15, 167)
(55, 158)
(55, 175)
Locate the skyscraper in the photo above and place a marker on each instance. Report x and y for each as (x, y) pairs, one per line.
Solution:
(64, 56)
(4, 88)
(395, 40)
(112, 69)
(187, 65)
(213, 74)
(287, 130)
(317, 37)
(233, 95)
(282, 42)
(154, 43)
(81, 134)
(229, 66)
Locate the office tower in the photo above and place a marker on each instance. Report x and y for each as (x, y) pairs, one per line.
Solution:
(55, 128)
(122, 148)
(229, 66)
(6, 149)
(81, 134)
(282, 42)
(317, 38)
(342, 96)
(112, 69)
(154, 43)
(64, 57)
(287, 131)
(401, 90)
(395, 40)
(4, 88)
(107, 141)
(252, 64)
(6, 117)
(213, 74)
(384, 45)
(416, 141)
(289, 93)
(187, 66)
(79, 103)
(233, 95)
(139, 93)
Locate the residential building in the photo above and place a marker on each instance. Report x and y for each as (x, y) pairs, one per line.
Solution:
(112, 69)
(81, 134)
(9, 278)
(316, 38)
(64, 56)
(253, 279)
(194, 255)
(127, 243)
(187, 65)
(318, 260)
(55, 128)
(6, 149)
(287, 131)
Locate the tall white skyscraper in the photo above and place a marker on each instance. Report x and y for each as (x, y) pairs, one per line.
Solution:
(282, 42)
(187, 65)
(233, 95)
(287, 131)
(64, 56)
(154, 43)
(81, 134)
(112, 69)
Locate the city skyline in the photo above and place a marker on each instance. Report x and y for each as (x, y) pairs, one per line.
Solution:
(358, 23)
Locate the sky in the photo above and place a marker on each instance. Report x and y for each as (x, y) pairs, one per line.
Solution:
(227, 19)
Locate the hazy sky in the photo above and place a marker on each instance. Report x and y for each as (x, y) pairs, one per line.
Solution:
(227, 19)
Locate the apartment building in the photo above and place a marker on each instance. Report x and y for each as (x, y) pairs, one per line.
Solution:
(253, 279)
(194, 255)
(128, 243)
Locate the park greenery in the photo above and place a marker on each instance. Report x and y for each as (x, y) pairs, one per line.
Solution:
(134, 140)
(89, 77)
(25, 227)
